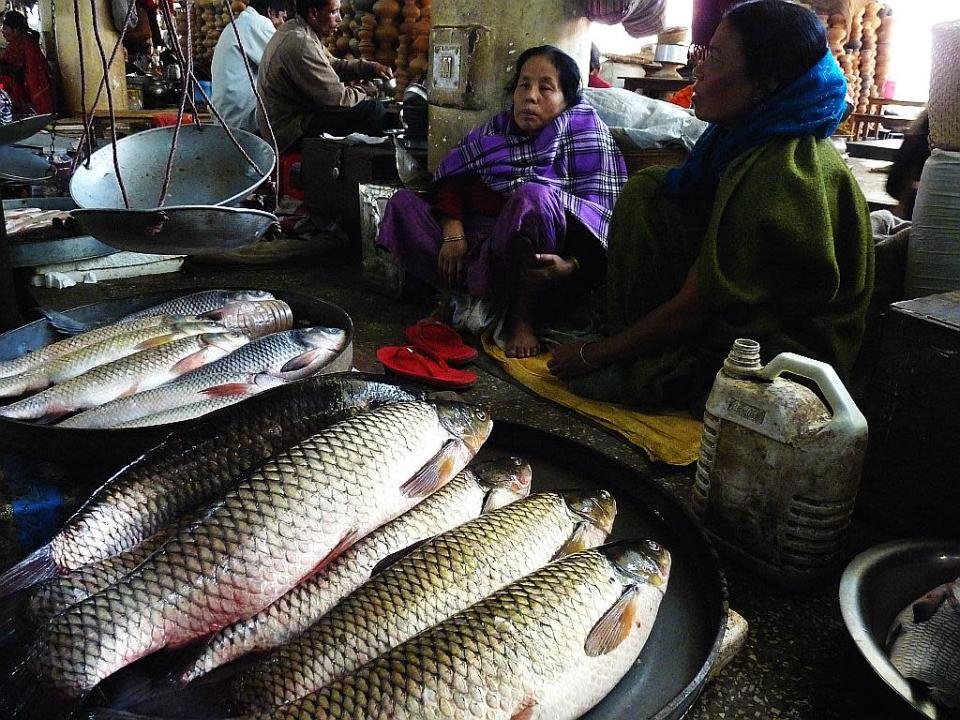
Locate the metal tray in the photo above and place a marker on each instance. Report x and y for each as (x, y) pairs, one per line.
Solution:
(34, 250)
(23, 165)
(207, 169)
(876, 586)
(23, 128)
(184, 230)
(68, 444)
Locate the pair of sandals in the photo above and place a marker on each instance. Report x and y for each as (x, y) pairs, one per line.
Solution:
(434, 347)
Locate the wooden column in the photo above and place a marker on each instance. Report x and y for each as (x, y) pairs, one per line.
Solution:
(68, 54)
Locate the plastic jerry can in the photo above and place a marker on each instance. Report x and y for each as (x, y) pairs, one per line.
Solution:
(779, 466)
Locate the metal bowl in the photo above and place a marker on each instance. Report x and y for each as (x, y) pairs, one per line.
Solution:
(877, 585)
(20, 129)
(23, 165)
(187, 230)
(113, 446)
(37, 249)
(207, 169)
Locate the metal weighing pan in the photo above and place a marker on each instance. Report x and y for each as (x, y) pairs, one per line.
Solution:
(23, 164)
(881, 582)
(185, 230)
(207, 169)
(33, 250)
(23, 128)
(116, 446)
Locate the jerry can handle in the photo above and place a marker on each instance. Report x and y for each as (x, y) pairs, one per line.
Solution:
(845, 410)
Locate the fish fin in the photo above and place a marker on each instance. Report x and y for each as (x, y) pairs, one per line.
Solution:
(577, 542)
(302, 365)
(525, 709)
(156, 341)
(438, 471)
(615, 625)
(190, 362)
(348, 539)
(398, 555)
(65, 324)
(37, 566)
(236, 389)
(927, 606)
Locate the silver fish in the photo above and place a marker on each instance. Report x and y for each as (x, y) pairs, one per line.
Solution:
(485, 488)
(294, 515)
(925, 644)
(119, 346)
(201, 302)
(286, 354)
(438, 579)
(190, 469)
(141, 371)
(547, 647)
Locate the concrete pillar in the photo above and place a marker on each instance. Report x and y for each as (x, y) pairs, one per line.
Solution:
(68, 55)
(473, 48)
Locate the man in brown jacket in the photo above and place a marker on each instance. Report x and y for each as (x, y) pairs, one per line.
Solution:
(307, 91)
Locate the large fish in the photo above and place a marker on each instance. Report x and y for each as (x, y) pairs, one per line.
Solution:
(482, 489)
(197, 303)
(431, 583)
(290, 355)
(547, 647)
(140, 371)
(925, 644)
(190, 469)
(289, 518)
(119, 346)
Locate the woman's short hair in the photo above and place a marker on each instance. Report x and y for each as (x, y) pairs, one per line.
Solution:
(16, 21)
(567, 71)
(781, 41)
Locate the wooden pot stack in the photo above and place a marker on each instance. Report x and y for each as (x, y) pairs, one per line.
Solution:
(868, 55)
(884, 38)
(208, 20)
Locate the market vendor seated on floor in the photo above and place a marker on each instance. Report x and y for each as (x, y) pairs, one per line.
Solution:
(763, 233)
(24, 73)
(521, 204)
(307, 91)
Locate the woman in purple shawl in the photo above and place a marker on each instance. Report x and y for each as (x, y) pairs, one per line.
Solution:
(522, 203)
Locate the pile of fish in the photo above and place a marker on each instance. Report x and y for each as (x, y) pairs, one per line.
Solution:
(335, 553)
(171, 362)
(924, 644)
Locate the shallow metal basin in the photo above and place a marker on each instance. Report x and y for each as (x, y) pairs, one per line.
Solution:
(207, 169)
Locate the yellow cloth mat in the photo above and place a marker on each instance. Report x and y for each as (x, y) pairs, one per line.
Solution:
(670, 437)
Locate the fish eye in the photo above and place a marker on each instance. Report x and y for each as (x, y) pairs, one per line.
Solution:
(480, 414)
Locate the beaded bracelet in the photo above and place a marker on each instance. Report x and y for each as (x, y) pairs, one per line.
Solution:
(454, 238)
(583, 359)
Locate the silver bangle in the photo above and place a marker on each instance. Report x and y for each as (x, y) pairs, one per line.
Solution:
(583, 359)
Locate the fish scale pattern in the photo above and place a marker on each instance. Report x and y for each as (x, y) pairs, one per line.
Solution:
(190, 470)
(249, 547)
(457, 502)
(438, 579)
(486, 662)
(145, 369)
(201, 302)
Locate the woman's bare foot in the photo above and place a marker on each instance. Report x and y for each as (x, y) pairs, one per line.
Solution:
(523, 341)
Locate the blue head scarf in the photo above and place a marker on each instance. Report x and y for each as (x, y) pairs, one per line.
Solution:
(813, 104)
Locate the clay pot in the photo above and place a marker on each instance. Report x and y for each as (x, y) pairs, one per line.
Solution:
(387, 8)
(421, 43)
(422, 26)
(343, 43)
(386, 55)
(387, 34)
(410, 10)
(366, 36)
(368, 21)
(418, 66)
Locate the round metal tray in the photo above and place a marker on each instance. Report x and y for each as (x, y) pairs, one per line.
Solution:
(34, 250)
(207, 169)
(23, 164)
(23, 128)
(881, 582)
(109, 446)
(184, 230)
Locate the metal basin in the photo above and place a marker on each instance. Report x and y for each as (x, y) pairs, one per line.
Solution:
(23, 164)
(207, 169)
(186, 230)
(121, 445)
(35, 249)
(877, 585)
(24, 128)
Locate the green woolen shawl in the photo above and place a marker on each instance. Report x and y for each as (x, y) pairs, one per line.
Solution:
(784, 256)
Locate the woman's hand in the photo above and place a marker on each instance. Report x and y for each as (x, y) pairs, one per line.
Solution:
(451, 262)
(547, 269)
(574, 359)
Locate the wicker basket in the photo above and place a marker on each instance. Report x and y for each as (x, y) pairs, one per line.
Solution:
(943, 106)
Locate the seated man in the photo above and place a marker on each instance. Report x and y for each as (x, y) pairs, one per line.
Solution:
(232, 92)
(303, 85)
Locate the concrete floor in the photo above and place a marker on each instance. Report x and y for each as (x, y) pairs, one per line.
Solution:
(798, 661)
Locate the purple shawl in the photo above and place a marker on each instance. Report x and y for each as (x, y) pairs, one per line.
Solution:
(575, 155)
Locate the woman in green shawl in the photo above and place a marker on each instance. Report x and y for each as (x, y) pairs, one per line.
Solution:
(762, 233)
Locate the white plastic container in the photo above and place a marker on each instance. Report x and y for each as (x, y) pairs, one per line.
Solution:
(779, 467)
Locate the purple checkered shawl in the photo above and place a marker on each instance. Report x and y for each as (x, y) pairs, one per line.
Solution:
(575, 154)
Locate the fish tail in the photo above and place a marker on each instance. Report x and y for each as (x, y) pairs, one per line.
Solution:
(66, 324)
(36, 567)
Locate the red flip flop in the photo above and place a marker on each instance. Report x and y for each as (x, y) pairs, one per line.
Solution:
(441, 339)
(424, 365)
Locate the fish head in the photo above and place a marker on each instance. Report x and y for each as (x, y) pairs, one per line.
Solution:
(639, 561)
(594, 512)
(504, 480)
(320, 345)
(235, 296)
(255, 318)
(468, 423)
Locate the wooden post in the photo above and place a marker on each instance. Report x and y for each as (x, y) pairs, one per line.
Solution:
(68, 54)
